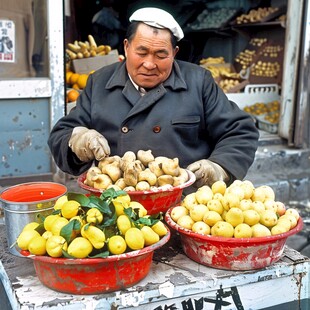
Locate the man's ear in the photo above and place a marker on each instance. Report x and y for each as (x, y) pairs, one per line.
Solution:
(175, 51)
(126, 43)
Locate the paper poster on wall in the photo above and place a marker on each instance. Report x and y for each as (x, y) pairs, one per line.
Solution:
(7, 41)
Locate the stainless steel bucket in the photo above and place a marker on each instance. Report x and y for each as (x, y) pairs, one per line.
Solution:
(25, 203)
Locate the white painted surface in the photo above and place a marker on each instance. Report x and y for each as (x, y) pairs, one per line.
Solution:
(183, 284)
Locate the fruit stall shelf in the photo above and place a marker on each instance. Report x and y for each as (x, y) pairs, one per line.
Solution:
(174, 282)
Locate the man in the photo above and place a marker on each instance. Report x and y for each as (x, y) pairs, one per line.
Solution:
(154, 102)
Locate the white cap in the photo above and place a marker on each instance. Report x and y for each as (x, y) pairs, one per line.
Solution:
(158, 18)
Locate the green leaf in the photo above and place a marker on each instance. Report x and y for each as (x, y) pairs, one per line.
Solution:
(101, 255)
(66, 255)
(101, 205)
(131, 213)
(111, 193)
(86, 226)
(40, 229)
(110, 231)
(80, 198)
(147, 221)
(109, 221)
(68, 230)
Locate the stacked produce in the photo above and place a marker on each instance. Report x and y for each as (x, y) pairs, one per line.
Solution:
(136, 172)
(79, 49)
(82, 226)
(222, 72)
(237, 211)
(256, 15)
(82, 50)
(269, 111)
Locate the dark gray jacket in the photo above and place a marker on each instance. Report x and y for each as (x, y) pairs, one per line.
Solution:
(188, 116)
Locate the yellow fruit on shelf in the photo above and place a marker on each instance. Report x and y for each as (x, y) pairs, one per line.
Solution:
(82, 80)
(76, 86)
(68, 77)
(72, 95)
(74, 78)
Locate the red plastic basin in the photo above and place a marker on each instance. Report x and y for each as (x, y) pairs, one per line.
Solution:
(155, 201)
(232, 253)
(95, 275)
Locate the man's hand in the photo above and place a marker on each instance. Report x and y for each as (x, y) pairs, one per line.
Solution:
(88, 144)
(207, 172)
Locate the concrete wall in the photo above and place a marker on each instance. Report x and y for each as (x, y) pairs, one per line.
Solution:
(286, 170)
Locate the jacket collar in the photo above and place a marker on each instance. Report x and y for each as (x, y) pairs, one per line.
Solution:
(120, 77)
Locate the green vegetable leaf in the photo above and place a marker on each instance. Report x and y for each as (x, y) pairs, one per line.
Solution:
(101, 255)
(110, 231)
(109, 220)
(132, 213)
(40, 229)
(102, 206)
(147, 221)
(81, 198)
(68, 230)
(66, 255)
(111, 193)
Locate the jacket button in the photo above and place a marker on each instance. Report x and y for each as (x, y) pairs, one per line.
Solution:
(156, 129)
(125, 129)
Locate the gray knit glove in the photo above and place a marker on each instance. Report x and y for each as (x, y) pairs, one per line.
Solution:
(88, 144)
(207, 172)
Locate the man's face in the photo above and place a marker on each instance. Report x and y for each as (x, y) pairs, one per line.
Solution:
(149, 56)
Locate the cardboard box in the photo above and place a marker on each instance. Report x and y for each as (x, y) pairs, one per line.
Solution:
(86, 65)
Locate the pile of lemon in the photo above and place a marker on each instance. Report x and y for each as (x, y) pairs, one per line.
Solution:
(237, 211)
(92, 226)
